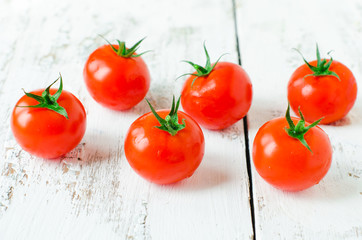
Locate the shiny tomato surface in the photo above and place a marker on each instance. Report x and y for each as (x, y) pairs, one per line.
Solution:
(158, 156)
(285, 162)
(322, 96)
(116, 82)
(45, 133)
(220, 99)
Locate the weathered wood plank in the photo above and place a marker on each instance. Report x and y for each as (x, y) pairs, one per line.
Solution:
(92, 193)
(268, 31)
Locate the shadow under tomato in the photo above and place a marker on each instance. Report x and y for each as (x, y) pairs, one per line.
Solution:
(341, 122)
(205, 177)
(232, 132)
(354, 117)
(333, 187)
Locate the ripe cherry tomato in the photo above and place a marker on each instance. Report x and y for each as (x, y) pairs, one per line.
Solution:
(117, 77)
(322, 88)
(52, 123)
(164, 151)
(218, 95)
(291, 159)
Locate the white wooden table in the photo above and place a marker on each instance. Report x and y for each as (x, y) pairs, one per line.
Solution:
(92, 193)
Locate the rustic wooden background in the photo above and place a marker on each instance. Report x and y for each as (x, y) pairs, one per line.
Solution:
(92, 193)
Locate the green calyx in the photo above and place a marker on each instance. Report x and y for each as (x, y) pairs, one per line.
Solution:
(49, 101)
(322, 68)
(170, 123)
(201, 71)
(122, 51)
(298, 131)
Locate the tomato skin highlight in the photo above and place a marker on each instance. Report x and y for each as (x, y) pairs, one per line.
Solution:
(284, 162)
(322, 96)
(116, 82)
(45, 133)
(220, 99)
(159, 157)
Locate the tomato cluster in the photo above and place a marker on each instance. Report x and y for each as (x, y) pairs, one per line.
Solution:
(166, 146)
(299, 157)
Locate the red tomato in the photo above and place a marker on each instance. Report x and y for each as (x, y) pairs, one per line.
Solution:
(46, 133)
(114, 80)
(285, 162)
(158, 156)
(323, 95)
(219, 97)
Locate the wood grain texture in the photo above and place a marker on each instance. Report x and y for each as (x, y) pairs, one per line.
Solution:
(268, 30)
(92, 193)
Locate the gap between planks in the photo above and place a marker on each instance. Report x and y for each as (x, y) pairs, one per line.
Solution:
(246, 132)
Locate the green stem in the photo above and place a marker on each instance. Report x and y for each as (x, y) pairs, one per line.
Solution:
(322, 68)
(202, 71)
(123, 51)
(298, 131)
(170, 123)
(49, 101)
